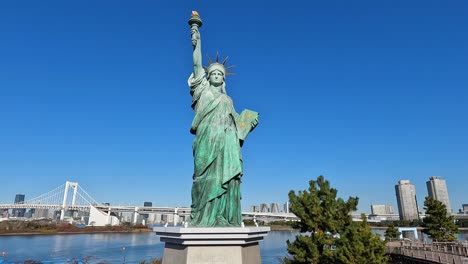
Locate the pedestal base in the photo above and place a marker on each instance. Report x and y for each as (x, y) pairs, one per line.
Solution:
(230, 245)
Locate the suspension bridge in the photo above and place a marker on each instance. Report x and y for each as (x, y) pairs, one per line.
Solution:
(70, 196)
(59, 198)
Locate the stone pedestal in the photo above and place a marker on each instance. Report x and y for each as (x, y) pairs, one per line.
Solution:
(220, 245)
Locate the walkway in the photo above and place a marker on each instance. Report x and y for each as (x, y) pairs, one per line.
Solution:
(417, 252)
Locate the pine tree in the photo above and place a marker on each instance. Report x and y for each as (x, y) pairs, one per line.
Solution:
(358, 245)
(438, 225)
(330, 229)
(392, 233)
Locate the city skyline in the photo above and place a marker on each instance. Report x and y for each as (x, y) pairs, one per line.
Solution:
(365, 93)
(435, 190)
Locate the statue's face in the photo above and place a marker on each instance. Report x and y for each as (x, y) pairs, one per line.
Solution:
(216, 78)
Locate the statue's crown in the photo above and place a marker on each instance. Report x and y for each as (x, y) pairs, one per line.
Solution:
(218, 66)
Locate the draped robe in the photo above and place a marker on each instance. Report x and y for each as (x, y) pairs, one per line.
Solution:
(217, 157)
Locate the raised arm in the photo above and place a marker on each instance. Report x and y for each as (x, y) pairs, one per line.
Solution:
(195, 23)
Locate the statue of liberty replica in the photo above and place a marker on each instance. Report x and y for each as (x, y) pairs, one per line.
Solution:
(219, 134)
(214, 233)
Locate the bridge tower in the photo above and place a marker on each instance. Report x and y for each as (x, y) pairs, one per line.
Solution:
(68, 185)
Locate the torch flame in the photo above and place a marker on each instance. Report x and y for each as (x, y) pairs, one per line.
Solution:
(195, 13)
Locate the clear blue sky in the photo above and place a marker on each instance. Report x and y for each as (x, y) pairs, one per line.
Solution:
(363, 92)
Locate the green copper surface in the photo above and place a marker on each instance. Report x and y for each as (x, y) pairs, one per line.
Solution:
(219, 134)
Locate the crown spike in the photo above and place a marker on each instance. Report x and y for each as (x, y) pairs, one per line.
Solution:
(216, 63)
(225, 60)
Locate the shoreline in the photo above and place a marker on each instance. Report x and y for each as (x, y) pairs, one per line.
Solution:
(53, 232)
(147, 230)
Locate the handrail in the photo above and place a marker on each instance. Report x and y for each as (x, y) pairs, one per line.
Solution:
(440, 252)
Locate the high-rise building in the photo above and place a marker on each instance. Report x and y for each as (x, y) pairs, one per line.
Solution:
(380, 209)
(255, 209)
(465, 208)
(19, 199)
(264, 208)
(406, 199)
(286, 208)
(274, 208)
(437, 189)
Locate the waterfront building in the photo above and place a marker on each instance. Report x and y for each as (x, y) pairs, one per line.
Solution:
(168, 218)
(264, 208)
(126, 218)
(41, 213)
(157, 218)
(54, 214)
(382, 212)
(380, 209)
(140, 218)
(19, 199)
(437, 189)
(286, 207)
(145, 216)
(3, 213)
(151, 218)
(29, 213)
(274, 208)
(255, 209)
(465, 208)
(406, 199)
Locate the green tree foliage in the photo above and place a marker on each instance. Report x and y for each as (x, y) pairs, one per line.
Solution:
(331, 236)
(357, 244)
(438, 225)
(392, 233)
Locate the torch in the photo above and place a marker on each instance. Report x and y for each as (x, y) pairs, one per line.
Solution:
(195, 23)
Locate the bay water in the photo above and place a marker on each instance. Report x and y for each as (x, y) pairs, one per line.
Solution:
(113, 247)
(120, 247)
